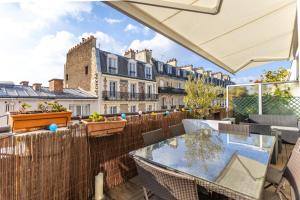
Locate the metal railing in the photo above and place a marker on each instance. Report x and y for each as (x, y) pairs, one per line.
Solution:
(171, 90)
(128, 96)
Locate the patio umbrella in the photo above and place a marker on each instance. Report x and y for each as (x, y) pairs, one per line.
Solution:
(233, 34)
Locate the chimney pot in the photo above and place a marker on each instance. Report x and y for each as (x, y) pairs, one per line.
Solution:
(56, 85)
(37, 86)
(24, 83)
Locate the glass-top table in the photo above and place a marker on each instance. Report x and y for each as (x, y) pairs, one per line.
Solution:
(235, 162)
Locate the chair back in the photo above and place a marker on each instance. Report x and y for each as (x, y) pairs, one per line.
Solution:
(274, 120)
(177, 130)
(164, 183)
(292, 171)
(261, 129)
(235, 129)
(153, 137)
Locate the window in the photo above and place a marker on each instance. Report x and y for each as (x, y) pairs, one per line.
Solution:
(178, 72)
(132, 108)
(148, 72)
(160, 66)
(149, 107)
(67, 77)
(132, 69)
(113, 110)
(9, 107)
(161, 83)
(132, 90)
(149, 91)
(184, 73)
(169, 69)
(86, 70)
(112, 65)
(112, 88)
(179, 85)
(80, 110)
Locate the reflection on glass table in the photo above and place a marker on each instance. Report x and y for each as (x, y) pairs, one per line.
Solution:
(231, 161)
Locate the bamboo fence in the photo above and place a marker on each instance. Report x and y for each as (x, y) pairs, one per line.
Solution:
(62, 165)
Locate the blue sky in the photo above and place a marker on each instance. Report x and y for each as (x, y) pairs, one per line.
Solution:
(35, 38)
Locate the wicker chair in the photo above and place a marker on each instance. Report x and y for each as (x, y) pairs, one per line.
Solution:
(291, 173)
(177, 130)
(153, 137)
(165, 184)
(263, 129)
(235, 129)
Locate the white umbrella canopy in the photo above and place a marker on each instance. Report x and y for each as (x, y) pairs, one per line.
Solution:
(233, 34)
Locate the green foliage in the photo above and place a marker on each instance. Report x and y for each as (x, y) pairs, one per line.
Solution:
(24, 106)
(43, 107)
(96, 117)
(200, 96)
(277, 76)
(56, 107)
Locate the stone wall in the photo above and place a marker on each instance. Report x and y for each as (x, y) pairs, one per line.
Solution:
(78, 58)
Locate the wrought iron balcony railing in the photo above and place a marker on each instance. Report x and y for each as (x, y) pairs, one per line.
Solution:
(171, 90)
(127, 96)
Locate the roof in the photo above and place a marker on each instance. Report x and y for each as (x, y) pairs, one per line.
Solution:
(19, 91)
(232, 34)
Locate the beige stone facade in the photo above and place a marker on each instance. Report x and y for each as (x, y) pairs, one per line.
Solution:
(80, 68)
(174, 92)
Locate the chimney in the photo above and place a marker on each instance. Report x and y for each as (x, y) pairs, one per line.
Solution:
(56, 85)
(130, 54)
(24, 83)
(37, 86)
(172, 62)
(144, 55)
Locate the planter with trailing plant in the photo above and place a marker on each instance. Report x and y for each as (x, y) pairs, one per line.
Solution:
(98, 126)
(47, 113)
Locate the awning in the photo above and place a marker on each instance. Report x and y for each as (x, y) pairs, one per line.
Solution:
(233, 34)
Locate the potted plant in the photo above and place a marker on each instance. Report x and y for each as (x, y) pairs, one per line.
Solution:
(98, 126)
(46, 114)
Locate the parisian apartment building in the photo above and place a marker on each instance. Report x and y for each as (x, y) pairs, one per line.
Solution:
(131, 82)
(80, 102)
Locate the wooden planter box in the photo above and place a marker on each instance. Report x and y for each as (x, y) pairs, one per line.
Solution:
(104, 128)
(25, 122)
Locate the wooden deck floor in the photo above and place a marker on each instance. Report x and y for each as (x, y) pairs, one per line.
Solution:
(132, 190)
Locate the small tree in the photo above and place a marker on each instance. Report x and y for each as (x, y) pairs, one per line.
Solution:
(279, 75)
(200, 96)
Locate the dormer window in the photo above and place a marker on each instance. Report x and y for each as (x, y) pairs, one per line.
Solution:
(132, 68)
(112, 64)
(178, 72)
(169, 69)
(160, 67)
(148, 71)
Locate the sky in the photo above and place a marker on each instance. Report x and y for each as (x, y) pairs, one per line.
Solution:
(35, 38)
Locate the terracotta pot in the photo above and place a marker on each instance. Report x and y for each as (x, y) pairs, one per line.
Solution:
(104, 128)
(25, 122)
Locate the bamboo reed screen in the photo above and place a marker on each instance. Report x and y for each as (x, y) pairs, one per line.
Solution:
(62, 165)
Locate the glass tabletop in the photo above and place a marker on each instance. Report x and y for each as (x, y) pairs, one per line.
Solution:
(232, 161)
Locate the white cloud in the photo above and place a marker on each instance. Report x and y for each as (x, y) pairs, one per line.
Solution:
(132, 28)
(112, 21)
(106, 42)
(28, 51)
(162, 48)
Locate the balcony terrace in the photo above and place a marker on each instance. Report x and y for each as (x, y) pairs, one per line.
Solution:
(170, 90)
(127, 96)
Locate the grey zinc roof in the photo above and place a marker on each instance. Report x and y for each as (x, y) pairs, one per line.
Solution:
(19, 91)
